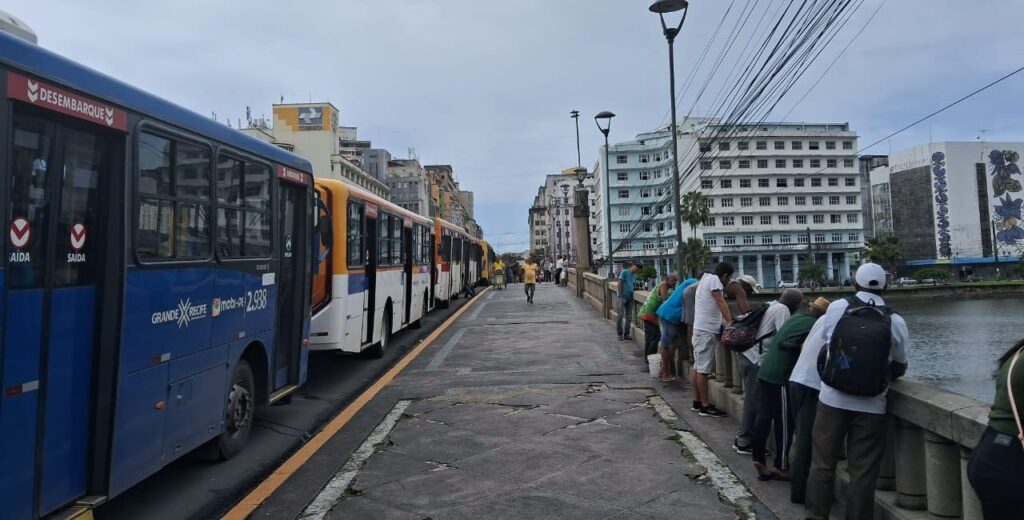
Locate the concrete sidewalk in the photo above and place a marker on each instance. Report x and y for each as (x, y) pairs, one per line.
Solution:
(527, 411)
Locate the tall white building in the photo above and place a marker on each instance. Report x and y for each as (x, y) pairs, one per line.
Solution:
(781, 195)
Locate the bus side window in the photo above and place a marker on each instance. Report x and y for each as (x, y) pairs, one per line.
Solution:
(354, 236)
(397, 227)
(174, 199)
(383, 239)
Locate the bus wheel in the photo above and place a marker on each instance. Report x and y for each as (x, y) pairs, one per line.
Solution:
(377, 351)
(241, 408)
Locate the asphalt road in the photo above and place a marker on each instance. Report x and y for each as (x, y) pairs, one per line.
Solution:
(195, 488)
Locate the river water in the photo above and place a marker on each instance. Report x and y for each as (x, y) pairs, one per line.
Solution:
(955, 343)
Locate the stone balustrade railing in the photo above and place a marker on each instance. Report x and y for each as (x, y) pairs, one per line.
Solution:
(924, 472)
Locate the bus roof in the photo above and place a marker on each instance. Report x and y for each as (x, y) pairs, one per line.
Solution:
(31, 58)
(370, 197)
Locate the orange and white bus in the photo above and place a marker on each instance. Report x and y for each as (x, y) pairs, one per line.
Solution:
(376, 270)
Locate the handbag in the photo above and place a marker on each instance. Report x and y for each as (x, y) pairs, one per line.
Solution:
(1013, 403)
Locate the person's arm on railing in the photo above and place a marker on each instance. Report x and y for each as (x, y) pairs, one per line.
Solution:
(722, 307)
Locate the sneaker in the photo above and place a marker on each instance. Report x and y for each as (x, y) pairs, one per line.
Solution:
(620, 338)
(695, 407)
(711, 411)
(627, 338)
(741, 449)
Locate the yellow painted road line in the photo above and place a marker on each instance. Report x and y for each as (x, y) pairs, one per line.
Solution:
(283, 472)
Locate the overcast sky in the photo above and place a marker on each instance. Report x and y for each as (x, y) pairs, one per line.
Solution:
(487, 85)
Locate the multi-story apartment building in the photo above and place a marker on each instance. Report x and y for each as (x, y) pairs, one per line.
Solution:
(638, 181)
(448, 198)
(539, 223)
(781, 195)
(410, 187)
(953, 203)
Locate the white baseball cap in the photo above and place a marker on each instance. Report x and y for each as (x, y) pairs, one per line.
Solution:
(751, 281)
(870, 276)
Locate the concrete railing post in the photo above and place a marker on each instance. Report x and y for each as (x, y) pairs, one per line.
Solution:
(911, 487)
(723, 365)
(971, 504)
(942, 467)
(887, 472)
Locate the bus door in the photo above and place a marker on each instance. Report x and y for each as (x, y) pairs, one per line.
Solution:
(372, 260)
(293, 283)
(407, 254)
(55, 240)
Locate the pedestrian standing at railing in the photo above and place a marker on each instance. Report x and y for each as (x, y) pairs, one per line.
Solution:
(649, 314)
(670, 325)
(996, 468)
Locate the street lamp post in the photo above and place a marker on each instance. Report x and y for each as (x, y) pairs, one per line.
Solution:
(662, 7)
(575, 114)
(607, 116)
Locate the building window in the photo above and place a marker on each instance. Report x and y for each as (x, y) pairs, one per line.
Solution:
(622, 176)
(853, 237)
(816, 182)
(645, 175)
(853, 218)
(748, 239)
(835, 219)
(624, 212)
(705, 147)
(780, 145)
(831, 163)
(782, 201)
(815, 163)
(623, 194)
(780, 163)
(645, 158)
(729, 240)
(801, 219)
(761, 145)
(851, 182)
(623, 228)
(780, 183)
(747, 220)
(847, 163)
(830, 145)
(744, 183)
(819, 237)
(645, 193)
(657, 174)
(705, 165)
(645, 210)
(812, 145)
(798, 182)
(627, 246)
(620, 159)
(851, 199)
(783, 239)
(798, 163)
(837, 237)
(707, 184)
(723, 146)
(766, 220)
(726, 183)
(817, 200)
(744, 164)
(819, 219)
(727, 202)
(709, 202)
(762, 163)
(647, 228)
(710, 222)
(797, 145)
(833, 182)
(766, 239)
(725, 165)
(711, 241)
(660, 192)
(661, 226)
(742, 145)
(801, 238)
(746, 201)
(833, 200)
(764, 201)
(763, 183)
(784, 220)
(848, 145)
(728, 221)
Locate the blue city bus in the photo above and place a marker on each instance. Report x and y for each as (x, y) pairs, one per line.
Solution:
(155, 283)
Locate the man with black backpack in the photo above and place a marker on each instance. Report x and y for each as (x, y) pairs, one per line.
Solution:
(865, 347)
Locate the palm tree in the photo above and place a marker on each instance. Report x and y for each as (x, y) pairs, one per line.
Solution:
(886, 250)
(696, 255)
(694, 209)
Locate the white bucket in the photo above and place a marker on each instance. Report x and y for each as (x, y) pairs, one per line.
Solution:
(654, 364)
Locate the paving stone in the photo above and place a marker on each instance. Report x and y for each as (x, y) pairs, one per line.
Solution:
(386, 466)
(633, 444)
(638, 417)
(438, 490)
(530, 503)
(523, 424)
(463, 414)
(410, 430)
(525, 462)
(422, 406)
(516, 395)
(697, 500)
(624, 395)
(453, 445)
(626, 485)
(586, 407)
(363, 507)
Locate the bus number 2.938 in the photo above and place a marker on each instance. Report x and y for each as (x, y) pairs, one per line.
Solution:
(255, 300)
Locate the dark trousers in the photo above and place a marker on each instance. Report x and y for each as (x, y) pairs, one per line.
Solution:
(804, 405)
(865, 444)
(996, 472)
(652, 335)
(773, 410)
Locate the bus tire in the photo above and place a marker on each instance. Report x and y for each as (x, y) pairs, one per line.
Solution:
(240, 412)
(377, 350)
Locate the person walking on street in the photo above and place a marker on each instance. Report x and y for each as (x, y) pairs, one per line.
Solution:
(749, 362)
(627, 282)
(772, 404)
(530, 279)
(649, 314)
(559, 266)
(499, 274)
(670, 317)
(996, 467)
(865, 347)
(710, 314)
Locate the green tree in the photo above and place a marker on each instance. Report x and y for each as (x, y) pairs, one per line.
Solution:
(647, 272)
(931, 273)
(886, 250)
(694, 210)
(696, 255)
(813, 273)
(509, 258)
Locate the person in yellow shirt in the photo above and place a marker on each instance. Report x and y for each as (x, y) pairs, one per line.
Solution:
(499, 274)
(530, 278)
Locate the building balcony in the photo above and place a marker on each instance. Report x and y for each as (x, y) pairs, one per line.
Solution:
(816, 247)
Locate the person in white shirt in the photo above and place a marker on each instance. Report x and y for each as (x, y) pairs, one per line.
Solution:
(859, 421)
(710, 313)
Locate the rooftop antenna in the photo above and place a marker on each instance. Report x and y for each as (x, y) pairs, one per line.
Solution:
(248, 115)
(282, 99)
(213, 115)
(982, 139)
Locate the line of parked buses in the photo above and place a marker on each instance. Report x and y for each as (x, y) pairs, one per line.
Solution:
(374, 279)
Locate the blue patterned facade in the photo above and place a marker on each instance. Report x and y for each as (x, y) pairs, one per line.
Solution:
(941, 204)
